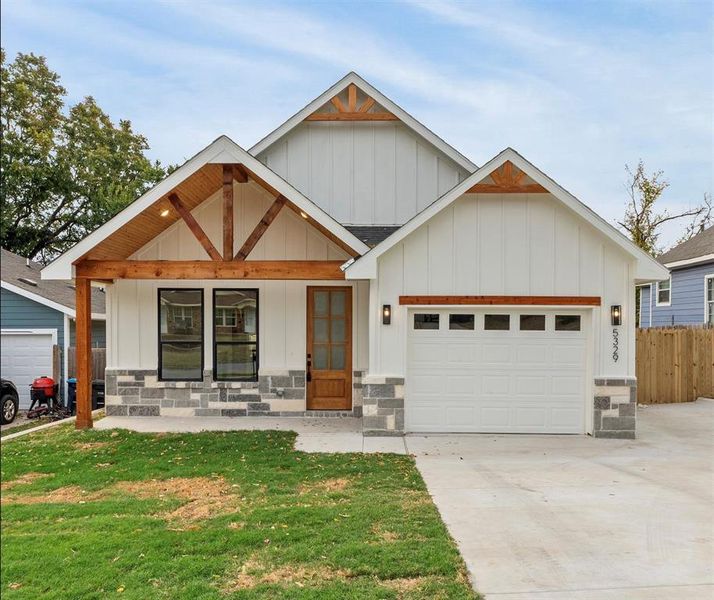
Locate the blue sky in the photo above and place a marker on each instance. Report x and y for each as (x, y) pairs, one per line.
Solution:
(579, 87)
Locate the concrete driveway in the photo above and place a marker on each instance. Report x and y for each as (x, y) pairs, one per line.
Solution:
(570, 517)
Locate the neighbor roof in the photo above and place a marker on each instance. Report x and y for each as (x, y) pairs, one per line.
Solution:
(23, 277)
(400, 113)
(648, 269)
(699, 248)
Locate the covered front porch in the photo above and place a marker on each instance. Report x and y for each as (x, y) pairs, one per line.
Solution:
(226, 296)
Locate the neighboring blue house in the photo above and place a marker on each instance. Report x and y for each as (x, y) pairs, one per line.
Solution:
(35, 315)
(687, 298)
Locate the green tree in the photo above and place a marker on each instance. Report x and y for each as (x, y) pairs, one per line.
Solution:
(642, 221)
(64, 172)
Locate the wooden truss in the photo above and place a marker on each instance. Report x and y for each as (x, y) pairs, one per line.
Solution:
(352, 112)
(507, 180)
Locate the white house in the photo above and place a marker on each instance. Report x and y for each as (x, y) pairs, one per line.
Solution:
(352, 262)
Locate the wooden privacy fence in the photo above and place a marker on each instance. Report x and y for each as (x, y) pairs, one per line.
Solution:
(674, 364)
(99, 362)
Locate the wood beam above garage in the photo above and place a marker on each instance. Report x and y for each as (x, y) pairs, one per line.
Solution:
(206, 269)
(500, 300)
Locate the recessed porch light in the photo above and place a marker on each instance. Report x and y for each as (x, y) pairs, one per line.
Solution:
(303, 215)
(165, 212)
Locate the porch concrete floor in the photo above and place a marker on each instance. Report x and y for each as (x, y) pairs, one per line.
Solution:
(551, 517)
(333, 434)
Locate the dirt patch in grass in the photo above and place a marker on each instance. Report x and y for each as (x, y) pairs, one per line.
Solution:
(203, 497)
(415, 499)
(384, 534)
(22, 480)
(254, 572)
(91, 445)
(337, 484)
(404, 585)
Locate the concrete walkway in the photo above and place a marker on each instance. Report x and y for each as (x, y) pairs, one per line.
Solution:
(552, 517)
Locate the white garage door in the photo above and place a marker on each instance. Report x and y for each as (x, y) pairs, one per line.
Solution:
(25, 356)
(491, 370)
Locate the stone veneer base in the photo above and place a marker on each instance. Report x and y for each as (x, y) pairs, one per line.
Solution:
(615, 408)
(280, 394)
(383, 406)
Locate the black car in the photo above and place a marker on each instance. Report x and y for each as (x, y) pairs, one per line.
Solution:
(9, 401)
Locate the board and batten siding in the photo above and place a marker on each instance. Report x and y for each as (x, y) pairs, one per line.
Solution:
(132, 305)
(687, 299)
(373, 173)
(491, 244)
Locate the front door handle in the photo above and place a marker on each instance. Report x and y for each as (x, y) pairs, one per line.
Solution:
(308, 374)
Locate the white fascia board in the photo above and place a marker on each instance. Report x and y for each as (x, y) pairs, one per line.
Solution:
(380, 98)
(220, 151)
(46, 301)
(690, 261)
(648, 269)
(62, 267)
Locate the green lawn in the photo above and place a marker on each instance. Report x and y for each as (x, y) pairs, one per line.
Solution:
(99, 514)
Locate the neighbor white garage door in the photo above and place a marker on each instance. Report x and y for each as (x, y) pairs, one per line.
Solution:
(491, 370)
(25, 356)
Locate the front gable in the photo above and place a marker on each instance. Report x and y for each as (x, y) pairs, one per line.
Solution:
(361, 158)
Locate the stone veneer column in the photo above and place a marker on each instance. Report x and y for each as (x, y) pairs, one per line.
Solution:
(383, 406)
(615, 408)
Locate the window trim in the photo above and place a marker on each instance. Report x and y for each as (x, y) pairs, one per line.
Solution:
(159, 368)
(706, 299)
(669, 301)
(214, 350)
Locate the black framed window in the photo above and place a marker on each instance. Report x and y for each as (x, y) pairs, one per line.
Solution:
(235, 334)
(180, 334)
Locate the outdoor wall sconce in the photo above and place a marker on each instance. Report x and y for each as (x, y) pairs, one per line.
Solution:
(616, 314)
(386, 314)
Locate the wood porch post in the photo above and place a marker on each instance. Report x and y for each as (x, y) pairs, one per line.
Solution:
(83, 289)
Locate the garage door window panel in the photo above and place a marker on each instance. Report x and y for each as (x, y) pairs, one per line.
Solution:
(497, 322)
(567, 322)
(461, 322)
(532, 322)
(426, 321)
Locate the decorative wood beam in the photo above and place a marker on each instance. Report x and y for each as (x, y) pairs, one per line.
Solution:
(507, 180)
(227, 212)
(492, 188)
(207, 269)
(501, 300)
(366, 105)
(337, 103)
(194, 227)
(240, 174)
(352, 97)
(348, 116)
(260, 228)
(83, 316)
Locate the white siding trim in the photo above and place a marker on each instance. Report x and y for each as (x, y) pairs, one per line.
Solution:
(689, 261)
(706, 300)
(48, 331)
(669, 302)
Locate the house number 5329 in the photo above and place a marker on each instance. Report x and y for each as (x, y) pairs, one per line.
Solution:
(615, 345)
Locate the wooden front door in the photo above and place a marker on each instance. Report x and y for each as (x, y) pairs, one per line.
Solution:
(329, 348)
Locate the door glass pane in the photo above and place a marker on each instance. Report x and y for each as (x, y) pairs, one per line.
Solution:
(567, 323)
(320, 358)
(532, 322)
(426, 321)
(320, 330)
(338, 330)
(461, 321)
(236, 361)
(322, 303)
(338, 303)
(235, 315)
(497, 322)
(181, 361)
(338, 357)
(181, 316)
